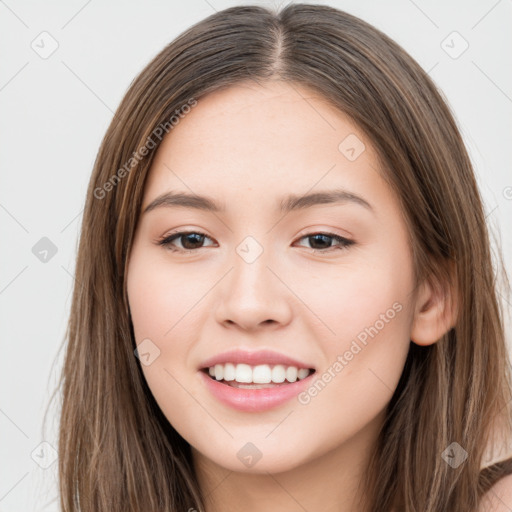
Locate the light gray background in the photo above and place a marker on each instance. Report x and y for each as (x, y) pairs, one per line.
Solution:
(55, 111)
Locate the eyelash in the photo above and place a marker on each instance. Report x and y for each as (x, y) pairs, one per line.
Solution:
(167, 241)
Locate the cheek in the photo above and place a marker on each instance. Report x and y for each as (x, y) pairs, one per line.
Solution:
(363, 362)
(347, 299)
(161, 302)
(165, 309)
(364, 334)
(161, 309)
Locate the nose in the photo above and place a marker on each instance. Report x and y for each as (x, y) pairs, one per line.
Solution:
(253, 296)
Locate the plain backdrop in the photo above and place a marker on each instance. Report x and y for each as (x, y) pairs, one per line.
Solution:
(66, 66)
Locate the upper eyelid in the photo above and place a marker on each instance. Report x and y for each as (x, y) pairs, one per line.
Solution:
(197, 232)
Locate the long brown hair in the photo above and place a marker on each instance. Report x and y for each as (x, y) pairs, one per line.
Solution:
(118, 452)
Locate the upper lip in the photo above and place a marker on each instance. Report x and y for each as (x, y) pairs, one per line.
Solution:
(253, 358)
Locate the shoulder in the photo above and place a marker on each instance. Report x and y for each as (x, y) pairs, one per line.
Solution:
(499, 497)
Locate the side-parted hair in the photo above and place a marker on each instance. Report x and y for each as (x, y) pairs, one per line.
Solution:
(117, 451)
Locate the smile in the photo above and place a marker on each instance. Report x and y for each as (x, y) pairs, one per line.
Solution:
(242, 389)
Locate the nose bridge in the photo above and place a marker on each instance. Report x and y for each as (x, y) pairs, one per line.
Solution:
(251, 278)
(252, 294)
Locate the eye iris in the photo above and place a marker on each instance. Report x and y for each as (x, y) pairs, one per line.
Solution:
(195, 237)
(320, 237)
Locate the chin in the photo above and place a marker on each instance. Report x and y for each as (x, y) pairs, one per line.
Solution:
(254, 458)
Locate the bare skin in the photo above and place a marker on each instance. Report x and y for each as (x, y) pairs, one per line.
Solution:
(247, 147)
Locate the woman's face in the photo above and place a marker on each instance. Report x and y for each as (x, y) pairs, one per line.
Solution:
(265, 272)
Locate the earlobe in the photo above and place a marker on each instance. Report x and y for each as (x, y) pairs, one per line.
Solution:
(435, 313)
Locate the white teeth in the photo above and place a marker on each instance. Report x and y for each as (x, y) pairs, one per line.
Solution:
(260, 374)
(291, 374)
(229, 372)
(302, 373)
(243, 373)
(279, 373)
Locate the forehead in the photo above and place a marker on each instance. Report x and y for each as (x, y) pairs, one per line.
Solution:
(269, 140)
(271, 114)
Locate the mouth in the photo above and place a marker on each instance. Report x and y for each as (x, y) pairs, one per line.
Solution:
(263, 376)
(255, 389)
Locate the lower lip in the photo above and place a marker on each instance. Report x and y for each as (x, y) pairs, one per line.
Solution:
(254, 400)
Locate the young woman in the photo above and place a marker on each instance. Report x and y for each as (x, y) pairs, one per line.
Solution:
(285, 296)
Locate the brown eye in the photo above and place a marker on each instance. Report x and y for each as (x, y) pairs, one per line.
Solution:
(190, 241)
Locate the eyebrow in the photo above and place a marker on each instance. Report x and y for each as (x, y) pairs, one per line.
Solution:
(289, 203)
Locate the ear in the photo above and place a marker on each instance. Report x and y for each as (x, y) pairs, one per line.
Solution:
(435, 312)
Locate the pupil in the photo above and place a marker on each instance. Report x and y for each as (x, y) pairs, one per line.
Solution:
(316, 238)
(198, 239)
